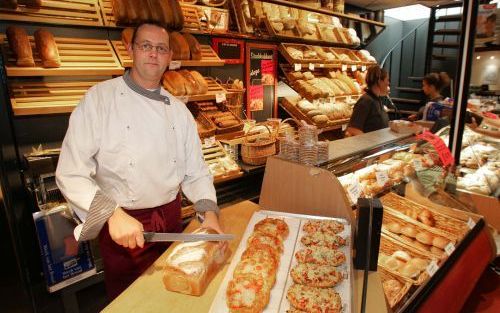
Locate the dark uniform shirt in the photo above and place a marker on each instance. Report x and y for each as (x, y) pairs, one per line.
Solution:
(369, 114)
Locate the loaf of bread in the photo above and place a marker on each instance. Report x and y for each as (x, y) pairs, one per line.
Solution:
(192, 87)
(127, 35)
(177, 16)
(10, 4)
(119, 9)
(166, 12)
(174, 83)
(20, 45)
(194, 46)
(191, 265)
(47, 48)
(131, 9)
(179, 46)
(228, 123)
(156, 14)
(31, 3)
(142, 9)
(202, 83)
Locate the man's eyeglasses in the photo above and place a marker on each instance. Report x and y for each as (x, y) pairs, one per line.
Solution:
(147, 47)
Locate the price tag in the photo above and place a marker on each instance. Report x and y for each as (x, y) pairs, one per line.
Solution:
(382, 178)
(210, 141)
(174, 65)
(321, 65)
(432, 268)
(354, 68)
(184, 99)
(311, 66)
(363, 68)
(449, 248)
(438, 144)
(344, 127)
(344, 67)
(354, 190)
(471, 223)
(297, 67)
(417, 164)
(220, 97)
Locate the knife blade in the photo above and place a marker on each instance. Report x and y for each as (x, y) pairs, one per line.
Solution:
(159, 237)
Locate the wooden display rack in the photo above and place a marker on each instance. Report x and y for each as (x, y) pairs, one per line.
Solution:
(36, 98)
(70, 12)
(79, 56)
(214, 88)
(195, 17)
(290, 106)
(191, 17)
(107, 12)
(208, 56)
(211, 154)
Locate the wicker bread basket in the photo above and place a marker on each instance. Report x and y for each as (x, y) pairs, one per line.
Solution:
(388, 245)
(395, 301)
(255, 152)
(207, 129)
(443, 222)
(403, 220)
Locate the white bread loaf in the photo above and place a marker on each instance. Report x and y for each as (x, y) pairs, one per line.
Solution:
(192, 265)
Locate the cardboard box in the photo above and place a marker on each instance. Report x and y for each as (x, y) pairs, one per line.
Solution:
(64, 260)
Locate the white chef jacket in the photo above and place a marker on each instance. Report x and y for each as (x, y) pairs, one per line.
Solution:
(135, 150)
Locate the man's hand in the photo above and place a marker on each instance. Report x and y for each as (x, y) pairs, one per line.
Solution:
(125, 230)
(212, 221)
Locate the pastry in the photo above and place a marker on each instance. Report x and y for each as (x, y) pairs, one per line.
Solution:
(424, 237)
(419, 263)
(409, 231)
(401, 255)
(440, 242)
(394, 227)
(409, 270)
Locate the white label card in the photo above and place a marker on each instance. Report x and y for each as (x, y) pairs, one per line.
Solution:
(210, 141)
(382, 178)
(220, 97)
(321, 65)
(471, 223)
(344, 67)
(297, 67)
(354, 191)
(449, 248)
(174, 65)
(363, 68)
(417, 164)
(432, 268)
(311, 66)
(344, 127)
(354, 68)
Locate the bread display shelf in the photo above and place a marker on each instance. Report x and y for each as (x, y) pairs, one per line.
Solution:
(37, 98)
(70, 12)
(208, 56)
(79, 56)
(214, 89)
(205, 17)
(107, 12)
(212, 154)
(290, 106)
(400, 296)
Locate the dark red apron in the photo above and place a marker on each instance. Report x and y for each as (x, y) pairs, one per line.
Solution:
(122, 265)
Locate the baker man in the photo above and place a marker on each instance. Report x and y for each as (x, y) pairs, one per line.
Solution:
(129, 149)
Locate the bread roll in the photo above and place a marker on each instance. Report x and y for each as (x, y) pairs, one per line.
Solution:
(424, 237)
(421, 246)
(191, 265)
(174, 83)
(394, 228)
(127, 35)
(202, 83)
(179, 46)
(401, 255)
(47, 48)
(427, 218)
(419, 263)
(436, 250)
(194, 46)
(410, 271)
(10, 4)
(20, 45)
(440, 242)
(409, 231)
(192, 88)
(320, 119)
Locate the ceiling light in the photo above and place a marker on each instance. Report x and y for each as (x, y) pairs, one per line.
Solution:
(492, 57)
(478, 57)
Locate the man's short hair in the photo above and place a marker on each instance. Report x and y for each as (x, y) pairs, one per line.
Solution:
(153, 23)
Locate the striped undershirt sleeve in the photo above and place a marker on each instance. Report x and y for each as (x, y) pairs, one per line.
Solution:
(205, 205)
(101, 209)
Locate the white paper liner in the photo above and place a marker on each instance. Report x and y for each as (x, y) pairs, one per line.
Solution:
(278, 301)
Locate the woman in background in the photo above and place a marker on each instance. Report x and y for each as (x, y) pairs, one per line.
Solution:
(432, 86)
(369, 113)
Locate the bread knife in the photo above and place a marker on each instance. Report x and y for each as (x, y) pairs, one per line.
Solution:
(160, 237)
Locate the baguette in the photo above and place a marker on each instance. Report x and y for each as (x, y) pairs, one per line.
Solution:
(179, 46)
(193, 85)
(174, 83)
(202, 83)
(191, 266)
(127, 35)
(10, 4)
(20, 45)
(47, 48)
(194, 46)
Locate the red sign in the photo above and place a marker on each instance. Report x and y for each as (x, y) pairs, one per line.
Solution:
(267, 66)
(490, 115)
(256, 95)
(438, 144)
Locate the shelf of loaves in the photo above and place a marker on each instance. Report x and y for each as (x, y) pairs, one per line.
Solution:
(325, 57)
(78, 56)
(214, 89)
(208, 56)
(37, 98)
(69, 12)
(221, 165)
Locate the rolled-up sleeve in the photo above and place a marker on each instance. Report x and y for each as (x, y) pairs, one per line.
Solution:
(197, 184)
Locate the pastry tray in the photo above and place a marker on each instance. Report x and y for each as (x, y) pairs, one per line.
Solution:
(278, 301)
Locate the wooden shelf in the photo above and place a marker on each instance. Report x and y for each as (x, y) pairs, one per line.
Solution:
(214, 88)
(212, 154)
(208, 56)
(107, 12)
(38, 98)
(79, 56)
(74, 12)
